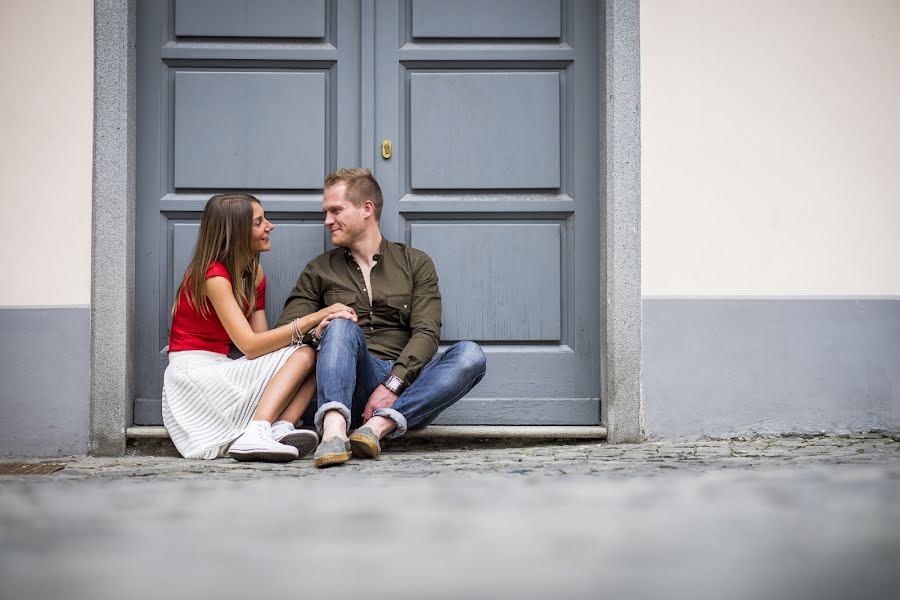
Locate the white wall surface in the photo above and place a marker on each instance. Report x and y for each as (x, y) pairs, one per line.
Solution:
(46, 104)
(770, 134)
(770, 147)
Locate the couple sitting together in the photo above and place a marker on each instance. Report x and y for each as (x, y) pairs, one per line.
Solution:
(359, 332)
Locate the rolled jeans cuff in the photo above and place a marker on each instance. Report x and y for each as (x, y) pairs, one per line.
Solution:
(320, 415)
(394, 416)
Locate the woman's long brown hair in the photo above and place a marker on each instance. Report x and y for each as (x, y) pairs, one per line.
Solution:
(225, 237)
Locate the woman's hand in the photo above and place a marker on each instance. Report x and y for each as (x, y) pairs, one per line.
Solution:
(346, 313)
(332, 310)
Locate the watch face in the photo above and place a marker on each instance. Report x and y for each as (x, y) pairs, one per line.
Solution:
(393, 383)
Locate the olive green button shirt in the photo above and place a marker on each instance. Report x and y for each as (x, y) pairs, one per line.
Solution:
(403, 321)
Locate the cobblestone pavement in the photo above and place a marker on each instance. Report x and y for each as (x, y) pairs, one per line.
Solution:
(786, 517)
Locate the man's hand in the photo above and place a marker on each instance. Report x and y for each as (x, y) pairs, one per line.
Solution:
(338, 307)
(380, 398)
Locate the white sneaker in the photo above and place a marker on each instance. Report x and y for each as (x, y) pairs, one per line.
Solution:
(304, 440)
(257, 443)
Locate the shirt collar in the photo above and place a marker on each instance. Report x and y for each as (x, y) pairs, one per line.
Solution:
(381, 250)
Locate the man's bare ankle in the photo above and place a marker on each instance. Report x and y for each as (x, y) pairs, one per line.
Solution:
(334, 425)
(380, 426)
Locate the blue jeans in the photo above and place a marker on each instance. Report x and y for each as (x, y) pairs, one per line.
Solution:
(347, 374)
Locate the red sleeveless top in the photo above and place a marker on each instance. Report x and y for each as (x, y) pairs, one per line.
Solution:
(191, 331)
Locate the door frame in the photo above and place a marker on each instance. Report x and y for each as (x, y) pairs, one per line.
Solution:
(114, 201)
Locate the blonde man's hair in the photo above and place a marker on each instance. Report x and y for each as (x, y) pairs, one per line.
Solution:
(361, 187)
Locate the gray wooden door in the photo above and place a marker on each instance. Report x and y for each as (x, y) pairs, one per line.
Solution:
(492, 109)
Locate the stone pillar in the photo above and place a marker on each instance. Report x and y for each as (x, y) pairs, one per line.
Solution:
(621, 120)
(113, 225)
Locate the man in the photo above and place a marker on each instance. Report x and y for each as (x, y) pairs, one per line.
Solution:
(378, 374)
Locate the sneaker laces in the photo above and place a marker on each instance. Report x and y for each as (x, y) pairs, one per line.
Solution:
(281, 428)
(262, 429)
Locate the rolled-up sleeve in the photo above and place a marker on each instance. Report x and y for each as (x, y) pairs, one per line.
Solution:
(425, 321)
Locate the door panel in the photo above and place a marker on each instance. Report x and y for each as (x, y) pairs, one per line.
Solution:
(510, 270)
(484, 130)
(249, 129)
(480, 19)
(250, 18)
(298, 243)
(184, 236)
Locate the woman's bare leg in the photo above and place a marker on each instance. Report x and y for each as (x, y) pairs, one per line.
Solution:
(284, 385)
(301, 400)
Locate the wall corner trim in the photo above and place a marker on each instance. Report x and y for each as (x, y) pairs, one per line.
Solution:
(112, 226)
(622, 166)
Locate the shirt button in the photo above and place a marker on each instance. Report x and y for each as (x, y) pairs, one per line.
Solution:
(404, 306)
(364, 289)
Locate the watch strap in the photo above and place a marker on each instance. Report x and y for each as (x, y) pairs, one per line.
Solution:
(311, 339)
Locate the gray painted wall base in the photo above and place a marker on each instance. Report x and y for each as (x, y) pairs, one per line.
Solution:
(44, 381)
(724, 367)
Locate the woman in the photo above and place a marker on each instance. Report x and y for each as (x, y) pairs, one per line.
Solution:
(246, 407)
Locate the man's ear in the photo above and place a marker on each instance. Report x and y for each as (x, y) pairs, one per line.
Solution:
(369, 207)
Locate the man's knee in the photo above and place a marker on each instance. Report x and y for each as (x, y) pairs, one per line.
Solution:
(470, 357)
(340, 342)
(341, 329)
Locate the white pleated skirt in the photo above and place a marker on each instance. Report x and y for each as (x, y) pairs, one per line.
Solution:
(208, 399)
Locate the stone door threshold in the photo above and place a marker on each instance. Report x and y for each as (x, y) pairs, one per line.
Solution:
(448, 432)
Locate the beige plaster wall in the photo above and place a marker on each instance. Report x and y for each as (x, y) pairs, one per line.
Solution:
(770, 147)
(770, 133)
(46, 104)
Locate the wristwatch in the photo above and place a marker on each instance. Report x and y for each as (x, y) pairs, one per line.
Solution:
(394, 384)
(311, 339)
